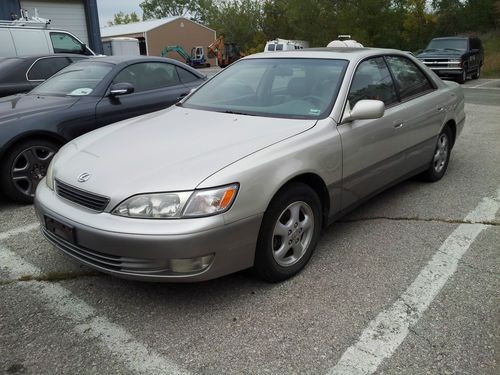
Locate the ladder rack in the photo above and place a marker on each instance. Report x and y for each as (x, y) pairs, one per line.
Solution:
(26, 21)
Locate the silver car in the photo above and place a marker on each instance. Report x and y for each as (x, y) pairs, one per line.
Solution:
(248, 169)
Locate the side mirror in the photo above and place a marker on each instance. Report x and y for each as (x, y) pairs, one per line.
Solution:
(365, 109)
(123, 88)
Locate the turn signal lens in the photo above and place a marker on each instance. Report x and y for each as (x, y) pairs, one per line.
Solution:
(211, 201)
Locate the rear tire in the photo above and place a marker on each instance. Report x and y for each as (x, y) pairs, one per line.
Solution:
(441, 157)
(289, 233)
(23, 168)
(477, 74)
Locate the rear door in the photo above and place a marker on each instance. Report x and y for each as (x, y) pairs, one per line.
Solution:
(157, 86)
(424, 110)
(373, 154)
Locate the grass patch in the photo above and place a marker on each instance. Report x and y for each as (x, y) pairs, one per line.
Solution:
(491, 45)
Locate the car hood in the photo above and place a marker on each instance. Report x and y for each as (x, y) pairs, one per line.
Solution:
(440, 54)
(170, 150)
(20, 106)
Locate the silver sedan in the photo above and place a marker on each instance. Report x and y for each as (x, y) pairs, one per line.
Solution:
(248, 169)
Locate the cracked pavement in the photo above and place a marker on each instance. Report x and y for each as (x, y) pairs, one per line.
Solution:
(238, 324)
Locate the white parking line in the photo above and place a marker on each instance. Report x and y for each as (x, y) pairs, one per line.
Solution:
(20, 230)
(388, 330)
(481, 84)
(135, 355)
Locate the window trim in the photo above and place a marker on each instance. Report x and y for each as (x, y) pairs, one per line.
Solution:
(43, 58)
(383, 55)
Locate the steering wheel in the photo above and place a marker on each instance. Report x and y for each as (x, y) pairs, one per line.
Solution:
(316, 100)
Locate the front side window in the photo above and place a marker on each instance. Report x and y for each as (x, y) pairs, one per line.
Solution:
(79, 79)
(372, 80)
(45, 68)
(410, 80)
(270, 47)
(274, 87)
(65, 43)
(149, 76)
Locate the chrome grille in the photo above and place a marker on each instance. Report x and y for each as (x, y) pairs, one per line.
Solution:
(81, 197)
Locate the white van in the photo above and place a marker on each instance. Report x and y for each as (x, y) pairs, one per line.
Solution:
(20, 40)
(121, 47)
(285, 45)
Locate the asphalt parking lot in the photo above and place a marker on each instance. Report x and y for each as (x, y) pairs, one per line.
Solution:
(406, 284)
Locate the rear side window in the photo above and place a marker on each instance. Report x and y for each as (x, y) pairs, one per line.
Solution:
(186, 76)
(372, 80)
(65, 43)
(45, 68)
(410, 80)
(149, 76)
(279, 47)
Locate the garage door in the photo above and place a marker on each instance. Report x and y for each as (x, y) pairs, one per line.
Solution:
(65, 14)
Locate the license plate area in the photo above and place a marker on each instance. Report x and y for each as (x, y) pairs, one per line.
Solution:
(66, 232)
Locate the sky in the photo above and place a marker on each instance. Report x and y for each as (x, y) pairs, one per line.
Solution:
(108, 8)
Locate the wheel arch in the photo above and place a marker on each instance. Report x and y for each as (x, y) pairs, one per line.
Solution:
(48, 136)
(315, 182)
(453, 127)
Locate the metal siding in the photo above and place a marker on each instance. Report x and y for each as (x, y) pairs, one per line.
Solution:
(181, 32)
(64, 14)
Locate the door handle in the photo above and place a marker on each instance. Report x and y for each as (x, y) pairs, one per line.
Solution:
(440, 109)
(399, 126)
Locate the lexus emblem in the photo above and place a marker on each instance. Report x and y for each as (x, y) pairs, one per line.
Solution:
(84, 177)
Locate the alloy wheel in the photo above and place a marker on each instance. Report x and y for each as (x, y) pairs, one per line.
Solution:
(30, 167)
(293, 233)
(441, 154)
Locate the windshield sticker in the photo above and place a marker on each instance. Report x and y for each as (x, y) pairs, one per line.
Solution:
(81, 92)
(314, 112)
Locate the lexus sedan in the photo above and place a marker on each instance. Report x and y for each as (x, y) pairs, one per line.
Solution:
(247, 170)
(22, 74)
(82, 97)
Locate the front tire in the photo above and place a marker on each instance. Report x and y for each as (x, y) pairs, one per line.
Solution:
(463, 76)
(441, 157)
(289, 233)
(24, 166)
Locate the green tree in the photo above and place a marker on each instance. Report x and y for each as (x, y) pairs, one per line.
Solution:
(194, 9)
(121, 18)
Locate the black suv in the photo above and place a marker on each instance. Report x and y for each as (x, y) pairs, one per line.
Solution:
(454, 57)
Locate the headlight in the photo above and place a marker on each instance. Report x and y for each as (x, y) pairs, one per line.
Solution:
(153, 206)
(211, 201)
(49, 177)
(182, 204)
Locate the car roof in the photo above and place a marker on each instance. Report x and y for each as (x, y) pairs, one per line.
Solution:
(344, 53)
(127, 60)
(35, 57)
(452, 37)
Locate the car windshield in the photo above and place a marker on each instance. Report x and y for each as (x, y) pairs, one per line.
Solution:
(275, 87)
(448, 44)
(79, 79)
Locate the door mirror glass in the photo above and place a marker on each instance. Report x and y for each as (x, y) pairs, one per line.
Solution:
(122, 88)
(365, 109)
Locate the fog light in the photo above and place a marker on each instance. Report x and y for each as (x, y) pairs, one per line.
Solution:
(190, 265)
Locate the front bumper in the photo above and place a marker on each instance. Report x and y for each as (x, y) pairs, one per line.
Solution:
(447, 72)
(140, 249)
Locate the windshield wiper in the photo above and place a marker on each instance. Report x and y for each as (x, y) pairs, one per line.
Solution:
(237, 113)
(451, 49)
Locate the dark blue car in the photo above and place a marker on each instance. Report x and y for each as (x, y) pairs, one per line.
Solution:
(82, 97)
